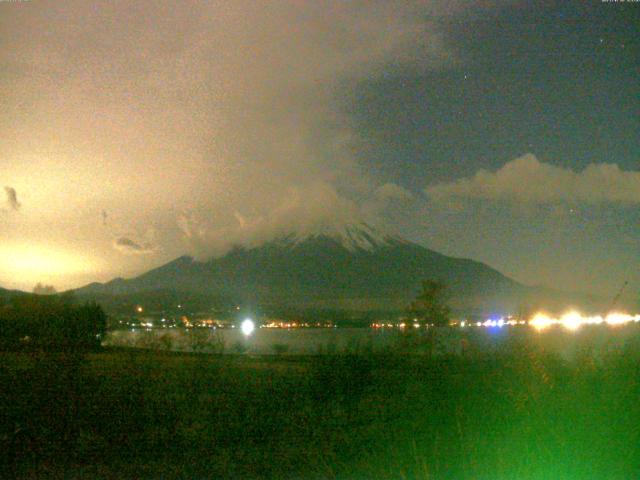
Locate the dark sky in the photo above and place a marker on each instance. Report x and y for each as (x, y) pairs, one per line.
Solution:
(558, 81)
(133, 132)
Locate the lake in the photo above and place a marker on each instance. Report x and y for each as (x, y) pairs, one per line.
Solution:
(599, 340)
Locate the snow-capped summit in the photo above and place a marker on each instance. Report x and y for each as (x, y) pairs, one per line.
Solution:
(351, 236)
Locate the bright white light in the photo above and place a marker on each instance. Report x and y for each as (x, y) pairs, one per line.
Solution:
(616, 318)
(572, 320)
(541, 321)
(247, 326)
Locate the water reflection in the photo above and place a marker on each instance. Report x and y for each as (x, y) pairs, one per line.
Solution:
(598, 339)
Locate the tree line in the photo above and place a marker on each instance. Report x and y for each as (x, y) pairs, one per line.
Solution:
(53, 322)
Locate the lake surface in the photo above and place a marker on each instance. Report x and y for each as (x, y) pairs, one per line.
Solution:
(598, 340)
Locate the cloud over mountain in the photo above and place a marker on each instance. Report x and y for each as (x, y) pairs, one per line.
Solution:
(160, 111)
(240, 103)
(529, 181)
(311, 208)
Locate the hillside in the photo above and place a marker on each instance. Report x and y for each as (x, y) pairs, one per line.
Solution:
(353, 268)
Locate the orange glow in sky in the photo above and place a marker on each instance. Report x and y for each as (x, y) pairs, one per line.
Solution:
(35, 263)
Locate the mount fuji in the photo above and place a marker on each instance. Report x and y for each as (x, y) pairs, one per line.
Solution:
(351, 267)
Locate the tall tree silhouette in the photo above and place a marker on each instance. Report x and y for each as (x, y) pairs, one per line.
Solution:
(430, 305)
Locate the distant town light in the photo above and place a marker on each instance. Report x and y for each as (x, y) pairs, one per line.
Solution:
(541, 322)
(572, 320)
(247, 326)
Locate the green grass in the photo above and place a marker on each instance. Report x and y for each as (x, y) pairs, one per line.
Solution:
(141, 414)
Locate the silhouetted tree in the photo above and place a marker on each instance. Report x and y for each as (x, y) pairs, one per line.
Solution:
(430, 306)
(41, 289)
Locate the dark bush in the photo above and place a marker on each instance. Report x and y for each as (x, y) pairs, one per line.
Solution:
(50, 323)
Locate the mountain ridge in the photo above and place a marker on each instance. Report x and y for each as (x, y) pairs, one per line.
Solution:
(348, 267)
(355, 267)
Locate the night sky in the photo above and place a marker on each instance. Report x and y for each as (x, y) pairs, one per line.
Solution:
(134, 132)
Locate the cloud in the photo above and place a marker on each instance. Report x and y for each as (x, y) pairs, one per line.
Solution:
(220, 108)
(129, 247)
(385, 205)
(526, 180)
(392, 191)
(316, 207)
(12, 198)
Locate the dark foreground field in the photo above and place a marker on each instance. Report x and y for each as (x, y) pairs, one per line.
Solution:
(134, 414)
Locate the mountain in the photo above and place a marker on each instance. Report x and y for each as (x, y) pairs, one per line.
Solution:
(6, 295)
(354, 267)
